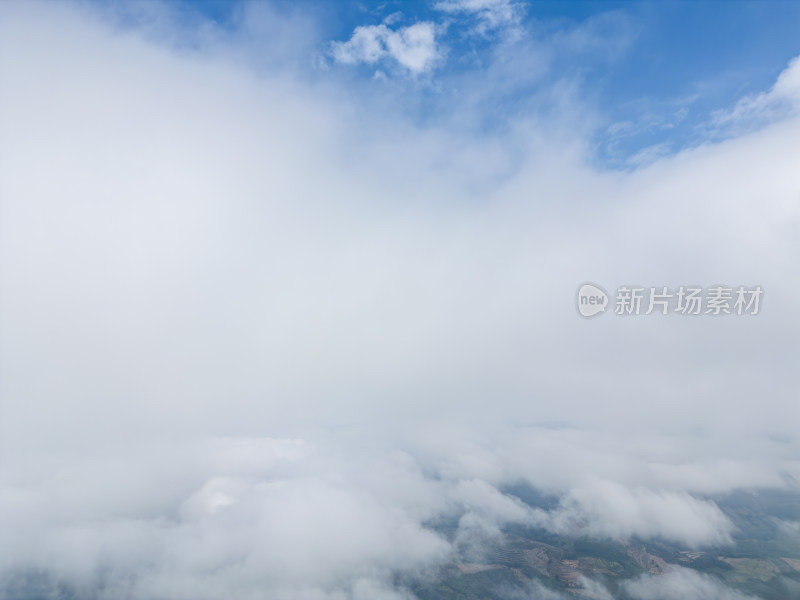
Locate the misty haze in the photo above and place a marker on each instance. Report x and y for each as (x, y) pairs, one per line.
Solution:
(451, 299)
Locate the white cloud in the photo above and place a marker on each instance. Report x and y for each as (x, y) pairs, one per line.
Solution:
(608, 509)
(310, 529)
(681, 583)
(491, 14)
(650, 154)
(779, 102)
(594, 590)
(252, 341)
(413, 47)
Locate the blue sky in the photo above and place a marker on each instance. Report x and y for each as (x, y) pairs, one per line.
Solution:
(650, 74)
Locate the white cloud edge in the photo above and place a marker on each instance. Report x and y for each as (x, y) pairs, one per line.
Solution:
(413, 47)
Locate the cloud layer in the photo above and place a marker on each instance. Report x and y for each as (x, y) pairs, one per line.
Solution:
(257, 335)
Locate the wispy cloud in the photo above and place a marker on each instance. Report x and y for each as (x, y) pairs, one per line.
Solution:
(682, 583)
(490, 14)
(781, 101)
(413, 47)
